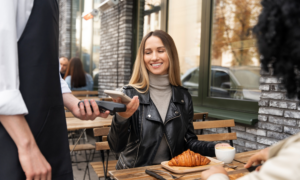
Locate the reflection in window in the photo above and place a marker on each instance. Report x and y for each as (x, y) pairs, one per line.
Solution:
(86, 40)
(85, 37)
(184, 25)
(152, 15)
(96, 46)
(75, 28)
(233, 49)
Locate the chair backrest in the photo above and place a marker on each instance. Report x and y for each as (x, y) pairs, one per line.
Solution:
(216, 124)
(101, 132)
(200, 116)
(84, 93)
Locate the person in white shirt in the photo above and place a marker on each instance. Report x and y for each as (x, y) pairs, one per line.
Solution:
(33, 133)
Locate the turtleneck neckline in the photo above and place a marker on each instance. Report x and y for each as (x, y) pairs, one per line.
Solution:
(159, 81)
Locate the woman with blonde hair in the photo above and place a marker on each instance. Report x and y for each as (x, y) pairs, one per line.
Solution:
(158, 123)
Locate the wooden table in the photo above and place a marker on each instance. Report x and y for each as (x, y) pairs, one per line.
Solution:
(96, 98)
(76, 124)
(139, 173)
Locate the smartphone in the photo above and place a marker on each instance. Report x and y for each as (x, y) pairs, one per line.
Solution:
(117, 94)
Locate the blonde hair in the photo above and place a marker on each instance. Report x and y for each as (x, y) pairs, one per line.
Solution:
(139, 79)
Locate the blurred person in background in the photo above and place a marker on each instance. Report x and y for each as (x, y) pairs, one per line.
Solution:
(63, 61)
(278, 40)
(76, 78)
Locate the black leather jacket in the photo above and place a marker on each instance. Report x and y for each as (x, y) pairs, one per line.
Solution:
(138, 138)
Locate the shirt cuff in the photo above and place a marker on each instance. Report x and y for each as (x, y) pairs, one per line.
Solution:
(12, 103)
(218, 176)
(64, 86)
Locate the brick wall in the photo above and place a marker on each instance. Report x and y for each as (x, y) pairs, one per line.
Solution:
(278, 115)
(115, 46)
(64, 27)
(279, 118)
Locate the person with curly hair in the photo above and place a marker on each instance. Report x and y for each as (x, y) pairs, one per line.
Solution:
(278, 37)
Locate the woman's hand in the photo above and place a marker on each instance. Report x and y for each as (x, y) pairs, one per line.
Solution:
(131, 107)
(34, 163)
(31, 159)
(257, 158)
(222, 145)
(213, 170)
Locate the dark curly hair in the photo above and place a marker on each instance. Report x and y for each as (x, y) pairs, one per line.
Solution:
(278, 38)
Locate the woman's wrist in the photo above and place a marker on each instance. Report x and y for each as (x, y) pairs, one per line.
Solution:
(19, 131)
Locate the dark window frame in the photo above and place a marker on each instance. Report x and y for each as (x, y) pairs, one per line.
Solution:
(249, 109)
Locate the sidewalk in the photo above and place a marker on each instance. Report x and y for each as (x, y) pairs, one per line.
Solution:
(78, 174)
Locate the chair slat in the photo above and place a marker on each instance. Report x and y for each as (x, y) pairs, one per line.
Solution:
(217, 137)
(81, 147)
(104, 138)
(101, 131)
(199, 115)
(98, 167)
(214, 124)
(102, 146)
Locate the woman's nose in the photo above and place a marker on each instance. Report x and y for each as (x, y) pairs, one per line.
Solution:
(154, 56)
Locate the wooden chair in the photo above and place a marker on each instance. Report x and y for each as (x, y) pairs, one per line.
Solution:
(216, 124)
(101, 168)
(85, 148)
(198, 116)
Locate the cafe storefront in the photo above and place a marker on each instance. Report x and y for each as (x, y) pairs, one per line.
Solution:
(220, 64)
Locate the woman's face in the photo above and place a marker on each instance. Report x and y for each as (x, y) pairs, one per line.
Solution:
(155, 56)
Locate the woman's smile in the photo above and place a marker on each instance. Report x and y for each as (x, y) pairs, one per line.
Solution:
(155, 56)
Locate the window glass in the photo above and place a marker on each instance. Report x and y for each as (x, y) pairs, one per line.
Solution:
(96, 45)
(152, 15)
(75, 28)
(184, 25)
(86, 40)
(234, 61)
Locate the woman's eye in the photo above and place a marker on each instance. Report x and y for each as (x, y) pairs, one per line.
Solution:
(147, 52)
(161, 51)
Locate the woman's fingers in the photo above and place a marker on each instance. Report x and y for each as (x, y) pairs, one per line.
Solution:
(258, 168)
(131, 107)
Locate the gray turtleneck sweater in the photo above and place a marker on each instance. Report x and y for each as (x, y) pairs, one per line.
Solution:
(160, 94)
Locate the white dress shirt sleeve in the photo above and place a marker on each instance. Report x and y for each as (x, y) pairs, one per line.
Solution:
(64, 86)
(11, 101)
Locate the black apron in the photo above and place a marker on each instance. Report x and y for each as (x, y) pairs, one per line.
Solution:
(41, 91)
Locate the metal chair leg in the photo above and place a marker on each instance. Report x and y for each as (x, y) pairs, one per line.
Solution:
(87, 169)
(75, 154)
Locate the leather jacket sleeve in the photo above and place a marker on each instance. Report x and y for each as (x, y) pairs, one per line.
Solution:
(203, 147)
(118, 135)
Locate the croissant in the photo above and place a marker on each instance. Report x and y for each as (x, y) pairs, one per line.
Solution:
(189, 158)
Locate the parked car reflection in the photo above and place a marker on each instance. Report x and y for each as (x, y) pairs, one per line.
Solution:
(227, 82)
